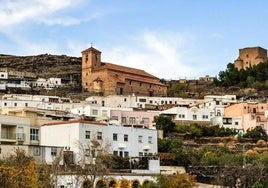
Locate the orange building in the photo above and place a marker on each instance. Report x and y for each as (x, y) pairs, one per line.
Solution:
(110, 79)
(251, 114)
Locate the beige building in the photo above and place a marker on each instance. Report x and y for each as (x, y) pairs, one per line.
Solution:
(20, 128)
(110, 79)
(250, 56)
(246, 115)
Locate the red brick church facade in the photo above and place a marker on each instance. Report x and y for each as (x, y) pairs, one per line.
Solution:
(111, 79)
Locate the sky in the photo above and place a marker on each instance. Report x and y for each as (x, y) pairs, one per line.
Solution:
(170, 39)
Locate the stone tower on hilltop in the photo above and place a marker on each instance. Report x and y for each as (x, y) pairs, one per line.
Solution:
(250, 56)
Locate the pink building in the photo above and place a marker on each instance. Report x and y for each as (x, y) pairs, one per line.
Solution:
(246, 114)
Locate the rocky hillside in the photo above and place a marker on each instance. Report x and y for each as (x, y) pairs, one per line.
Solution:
(45, 65)
(69, 69)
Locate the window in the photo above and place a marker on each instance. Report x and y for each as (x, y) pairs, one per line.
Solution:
(53, 151)
(104, 113)
(129, 82)
(125, 137)
(121, 91)
(34, 134)
(94, 112)
(114, 118)
(5, 104)
(123, 120)
(145, 120)
(36, 151)
(115, 153)
(99, 135)
(194, 117)
(15, 104)
(125, 99)
(140, 154)
(126, 154)
(150, 140)
(87, 135)
(132, 120)
(26, 104)
(142, 100)
(236, 123)
(140, 139)
(205, 116)
(227, 121)
(115, 137)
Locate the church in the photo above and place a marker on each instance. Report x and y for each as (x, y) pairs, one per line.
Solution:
(103, 78)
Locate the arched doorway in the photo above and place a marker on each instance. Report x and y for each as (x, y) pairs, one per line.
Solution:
(135, 184)
(87, 184)
(112, 183)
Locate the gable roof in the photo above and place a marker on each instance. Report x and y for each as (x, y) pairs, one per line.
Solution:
(131, 74)
(91, 49)
(128, 70)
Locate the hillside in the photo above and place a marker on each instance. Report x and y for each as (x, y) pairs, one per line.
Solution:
(69, 69)
(45, 65)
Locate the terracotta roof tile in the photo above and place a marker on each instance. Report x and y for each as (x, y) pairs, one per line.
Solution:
(128, 70)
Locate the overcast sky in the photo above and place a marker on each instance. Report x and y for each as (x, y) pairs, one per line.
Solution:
(170, 39)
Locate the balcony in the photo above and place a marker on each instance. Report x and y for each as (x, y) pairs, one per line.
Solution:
(8, 137)
(12, 137)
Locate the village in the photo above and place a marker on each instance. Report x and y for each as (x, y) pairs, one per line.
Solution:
(117, 117)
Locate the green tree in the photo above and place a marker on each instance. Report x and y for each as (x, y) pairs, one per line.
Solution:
(256, 134)
(164, 123)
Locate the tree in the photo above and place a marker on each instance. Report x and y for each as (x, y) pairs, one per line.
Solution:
(94, 160)
(183, 180)
(164, 123)
(256, 134)
(20, 170)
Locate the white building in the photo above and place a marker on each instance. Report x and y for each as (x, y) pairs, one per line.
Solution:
(132, 101)
(190, 114)
(48, 83)
(38, 101)
(122, 141)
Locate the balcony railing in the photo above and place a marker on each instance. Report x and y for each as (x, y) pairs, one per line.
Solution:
(13, 136)
(8, 136)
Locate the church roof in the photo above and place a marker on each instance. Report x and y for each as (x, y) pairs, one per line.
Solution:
(91, 49)
(128, 70)
(132, 73)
